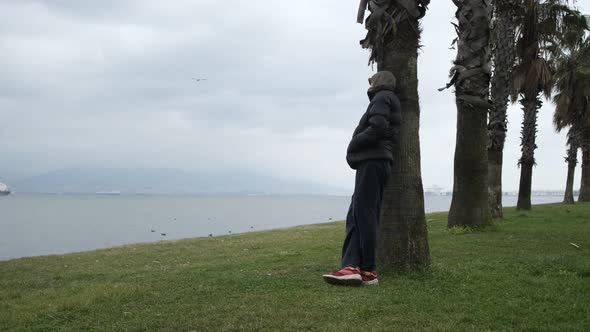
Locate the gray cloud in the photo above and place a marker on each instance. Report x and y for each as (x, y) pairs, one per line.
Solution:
(110, 83)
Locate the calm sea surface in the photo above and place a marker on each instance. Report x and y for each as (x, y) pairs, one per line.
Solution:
(33, 225)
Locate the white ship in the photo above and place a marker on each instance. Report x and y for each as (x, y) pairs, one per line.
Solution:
(108, 192)
(4, 190)
(434, 191)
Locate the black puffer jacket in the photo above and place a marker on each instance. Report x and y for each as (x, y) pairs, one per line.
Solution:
(378, 129)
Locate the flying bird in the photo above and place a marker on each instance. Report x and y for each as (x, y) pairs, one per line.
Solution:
(199, 79)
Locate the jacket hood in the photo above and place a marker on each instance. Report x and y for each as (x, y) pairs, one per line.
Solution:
(383, 80)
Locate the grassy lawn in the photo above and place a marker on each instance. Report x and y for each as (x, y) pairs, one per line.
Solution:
(521, 275)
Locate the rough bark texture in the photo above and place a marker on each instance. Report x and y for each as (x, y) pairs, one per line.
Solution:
(470, 206)
(403, 237)
(585, 187)
(531, 105)
(495, 162)
(572, 161)
(504, 56)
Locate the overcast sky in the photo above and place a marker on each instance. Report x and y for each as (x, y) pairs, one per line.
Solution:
(110, 83)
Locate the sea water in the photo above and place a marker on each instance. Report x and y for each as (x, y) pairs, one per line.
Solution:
(32, 225)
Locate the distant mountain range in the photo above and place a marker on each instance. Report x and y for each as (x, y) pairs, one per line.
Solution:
(165, 181)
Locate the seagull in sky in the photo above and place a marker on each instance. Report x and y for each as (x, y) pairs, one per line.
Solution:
(199, 79)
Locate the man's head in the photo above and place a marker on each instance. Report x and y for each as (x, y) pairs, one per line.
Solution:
(383, 79)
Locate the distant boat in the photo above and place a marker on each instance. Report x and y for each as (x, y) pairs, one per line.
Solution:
(109, 192)
(4, 190)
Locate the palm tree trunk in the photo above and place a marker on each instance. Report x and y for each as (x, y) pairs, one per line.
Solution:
(572, 161)
(531, 105)
(585, 187)
(495, 163)
(469, 206)
(504, 41)
(568, 198)
(403, 237)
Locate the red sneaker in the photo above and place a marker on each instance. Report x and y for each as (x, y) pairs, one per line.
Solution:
(369, 278)
(348, 276)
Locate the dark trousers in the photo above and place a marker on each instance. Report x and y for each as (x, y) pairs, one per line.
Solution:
(362, 221)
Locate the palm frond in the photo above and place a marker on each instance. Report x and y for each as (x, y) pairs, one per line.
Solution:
(572, 84)
(546, 29)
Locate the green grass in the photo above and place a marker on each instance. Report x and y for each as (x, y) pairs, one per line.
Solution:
(520, 275)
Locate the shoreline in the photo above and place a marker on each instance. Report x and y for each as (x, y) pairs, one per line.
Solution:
(428, 217)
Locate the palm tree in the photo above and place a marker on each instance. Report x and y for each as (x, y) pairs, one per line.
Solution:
(504, 27)
(585, 186)
(573, 106)
(542, 25)
(572, 160)
(393, 37)
(471, 75)
(584, 100)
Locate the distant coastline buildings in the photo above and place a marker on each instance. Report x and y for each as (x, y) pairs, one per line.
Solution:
(440, 191)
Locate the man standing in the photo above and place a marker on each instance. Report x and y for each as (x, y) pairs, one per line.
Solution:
(370, 154)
